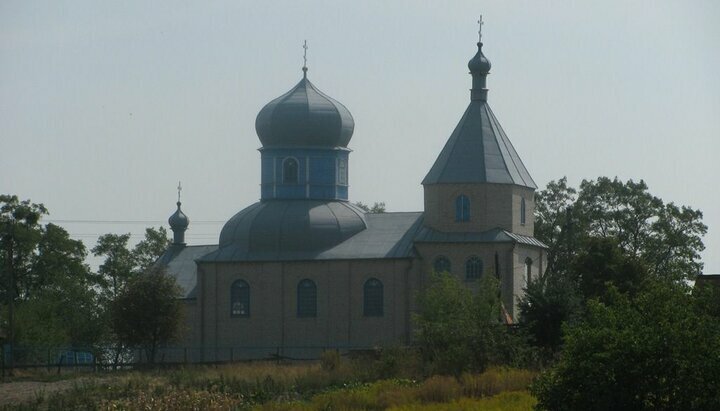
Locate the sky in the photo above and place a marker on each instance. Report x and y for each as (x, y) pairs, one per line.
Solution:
(105, 106)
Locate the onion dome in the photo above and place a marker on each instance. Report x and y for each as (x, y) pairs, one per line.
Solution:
(304, 117)
(290, 229)
(179, 222)
(479, 63)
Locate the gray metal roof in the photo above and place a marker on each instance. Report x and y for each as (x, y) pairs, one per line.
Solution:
(276, 227)
(179, 261)
(388, 235)
(496, 235)
(478, 151)
(306, 117)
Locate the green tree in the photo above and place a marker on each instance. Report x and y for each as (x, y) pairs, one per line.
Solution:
(19, 234)
(658, 351)
(118, 266)
(458, 330)
(667, 238)
(148, 250)
(148, 312)
(548, 303)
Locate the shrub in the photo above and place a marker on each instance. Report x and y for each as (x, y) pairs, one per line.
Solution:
(439, 389)
(507, 401)
(496, 380)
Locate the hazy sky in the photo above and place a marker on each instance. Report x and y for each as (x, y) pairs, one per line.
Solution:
(104, 106)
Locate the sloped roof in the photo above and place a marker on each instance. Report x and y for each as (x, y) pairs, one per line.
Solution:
(478, 151)
(496, 235)
(388, 235)
(179, 261)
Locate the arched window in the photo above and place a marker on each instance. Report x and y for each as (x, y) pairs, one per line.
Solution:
(306, 299)
(240, 299)
(290, 171)
(342, 172)
(462, 208)
(528, 271)
(373, 298)
(522, 211)
(442, 264)
(473, 268)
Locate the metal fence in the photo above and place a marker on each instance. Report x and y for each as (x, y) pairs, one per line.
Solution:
(104, 358)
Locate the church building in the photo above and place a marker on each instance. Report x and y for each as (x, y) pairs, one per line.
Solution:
(304, 269)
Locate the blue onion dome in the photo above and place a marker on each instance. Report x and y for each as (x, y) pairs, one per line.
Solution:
(479, 64)
(304, 117)
(178, 221)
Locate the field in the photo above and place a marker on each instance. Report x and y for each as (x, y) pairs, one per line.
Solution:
(333, 383)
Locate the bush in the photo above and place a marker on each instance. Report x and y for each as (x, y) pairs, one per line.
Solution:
(458, 330)
(439, 389)
(507, 401)
(496, 380)
(655, 352)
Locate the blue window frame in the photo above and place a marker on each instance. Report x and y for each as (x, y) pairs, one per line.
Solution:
(306, 299)
(240, 299)
(473, 268)
(442, 264)
(462, 208)
(373, 298)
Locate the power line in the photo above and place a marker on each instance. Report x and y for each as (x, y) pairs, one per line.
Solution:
(127, 221)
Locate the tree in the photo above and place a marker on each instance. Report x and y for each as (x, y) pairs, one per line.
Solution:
(667, 238)
(376, 208)
(148, 250)
(148, 312)
(118, 266)
(548, 303)
(19, 233)
(457, 330)
(658, 351)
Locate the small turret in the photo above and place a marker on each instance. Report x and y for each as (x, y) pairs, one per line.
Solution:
(479, 67)
(179, 222)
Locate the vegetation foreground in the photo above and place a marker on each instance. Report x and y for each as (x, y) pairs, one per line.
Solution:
(332, 384)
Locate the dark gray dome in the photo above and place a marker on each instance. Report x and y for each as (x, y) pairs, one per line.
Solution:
(178, 221)
(479, 63)
(292, 226)
(304, 116)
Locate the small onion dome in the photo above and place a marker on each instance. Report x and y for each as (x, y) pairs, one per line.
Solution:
(303, 117)
(479, 64)
(178, 221)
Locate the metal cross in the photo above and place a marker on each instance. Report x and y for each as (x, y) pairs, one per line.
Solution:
(305, 46)
(179, 190)
(480, 24)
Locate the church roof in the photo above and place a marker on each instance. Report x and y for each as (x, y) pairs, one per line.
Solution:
(179, 261)
(388, 235)
(497, 235)
(478, 150)
(291, 226)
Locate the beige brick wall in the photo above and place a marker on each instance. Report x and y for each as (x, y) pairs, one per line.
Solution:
(273, 321)
(491, 206)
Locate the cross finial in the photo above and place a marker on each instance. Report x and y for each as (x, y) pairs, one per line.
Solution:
(480, 24)
(179, 188)
(305, 48)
